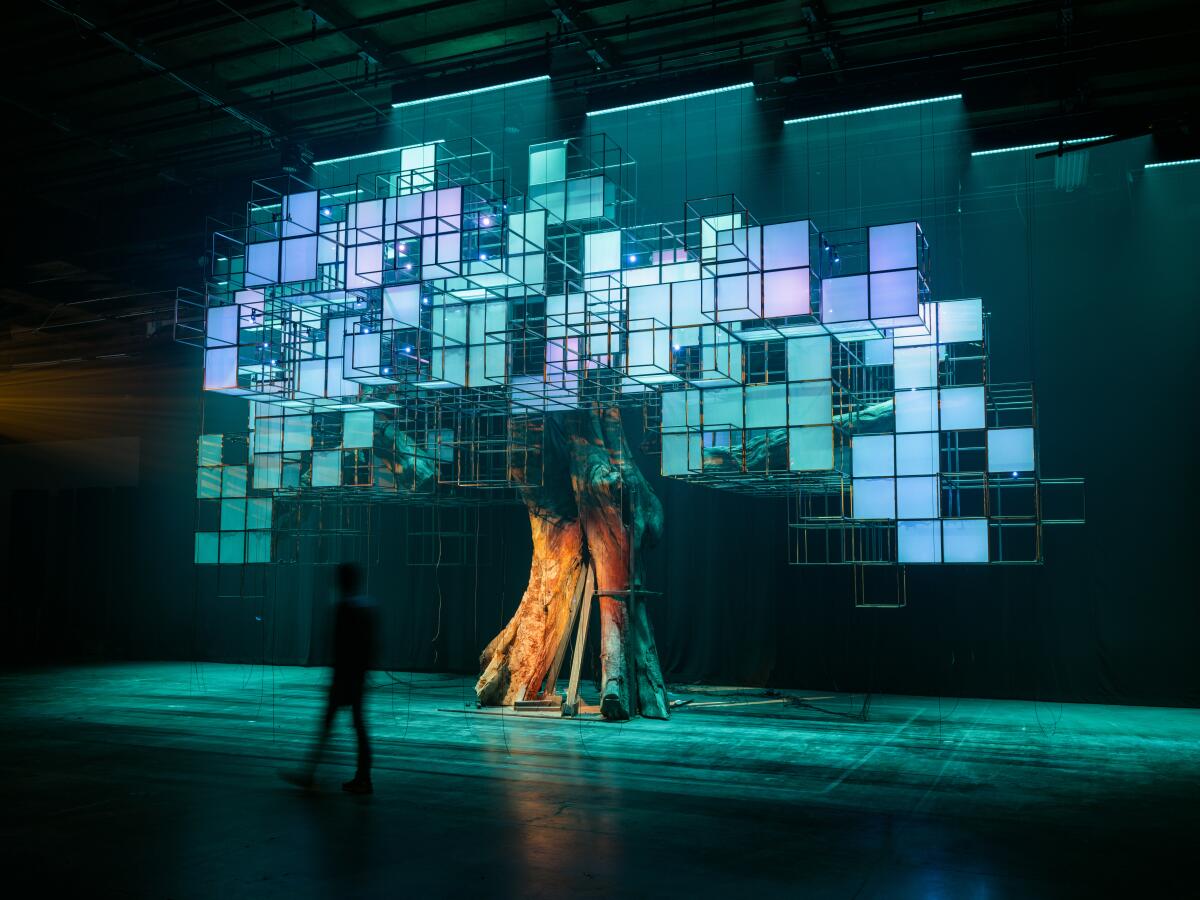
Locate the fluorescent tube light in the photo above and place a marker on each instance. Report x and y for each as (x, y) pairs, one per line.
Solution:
(482, 90)
(867, 109)
(1178, 162)
(1088, 140)
(720, 90)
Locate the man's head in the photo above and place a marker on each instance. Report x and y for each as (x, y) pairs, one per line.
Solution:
(348, 578)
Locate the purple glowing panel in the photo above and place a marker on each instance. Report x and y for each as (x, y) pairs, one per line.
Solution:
(785, 293)
(894, 296)
(844, 299)
(893, 246)
(785, 246)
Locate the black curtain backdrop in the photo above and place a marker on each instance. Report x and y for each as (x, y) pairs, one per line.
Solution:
(1092, 294)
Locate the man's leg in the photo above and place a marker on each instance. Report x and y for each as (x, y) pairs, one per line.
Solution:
(307, 777)
(362, 776)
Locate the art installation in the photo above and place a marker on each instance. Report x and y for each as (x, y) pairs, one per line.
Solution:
(405, 326)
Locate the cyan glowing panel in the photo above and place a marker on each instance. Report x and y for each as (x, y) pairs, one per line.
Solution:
(680, 453)
(874, 498)
(1010, 449)
(208, 483)
(233, 481)
(233, 515)
(548, 165)
(722, 407)
(767, 406)
(208, 449)
(258, 547)
(602, 251)
(326, 468)
(892, 246)
(916, 367)
(962, 408)
(810, 402)
(233, 547)
(919, 541)
(917, 454)
(878, 352)
(258, 513)
(810, 449)
(964, 540)
(916, 410)
(206, 547)
(358, 429)
(917, 497)
(297, 433)
(222, 326)
(873, 455)
(268, 468)
(808, 358)
(402, 305)
(844, 299)
(960, 320)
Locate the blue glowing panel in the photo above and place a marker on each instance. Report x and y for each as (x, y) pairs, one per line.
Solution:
(220, 368)
(879, 352)
(874, 498)
(810, 449)
(873, 455)
(262, 263)
(917, 454)
(222, 330)
(844, 299)
(965, 540)
(786, 293)
(402, 305)
(962, 408)
(916, 410)
(300, 259)
(1010, 449)
(892, 246)
(810, 403)
(917, 497)
(785, 245)
(919, 541)
(895, 297)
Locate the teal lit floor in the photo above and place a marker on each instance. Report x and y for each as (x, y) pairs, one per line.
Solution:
(159, 780)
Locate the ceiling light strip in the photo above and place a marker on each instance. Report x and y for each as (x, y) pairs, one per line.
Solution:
(482, 90)
(720, 90)
(1087, 140)
(868, 109)
(1177, 162)
(341, 159)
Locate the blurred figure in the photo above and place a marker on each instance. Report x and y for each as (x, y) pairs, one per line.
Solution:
(353, 644)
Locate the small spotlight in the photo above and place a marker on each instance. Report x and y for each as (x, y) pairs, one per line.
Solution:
(633, 257)
(274, 362)
(1014, 474)
(408, 349)
(425, 301)
(327, 211)
(483, 257)
(408, 267)
(403, 248)
(387, 371)
(676, 348)
(485, 221)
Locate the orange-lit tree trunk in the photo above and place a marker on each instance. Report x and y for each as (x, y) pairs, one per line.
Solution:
(593, 507)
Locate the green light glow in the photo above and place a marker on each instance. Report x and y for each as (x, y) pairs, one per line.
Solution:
(1087, 140)
(482, 90)
(1178, 162)
(328, 162)
(867, 109)
(720, 90)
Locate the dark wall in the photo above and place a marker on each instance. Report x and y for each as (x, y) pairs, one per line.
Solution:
(1092, 294)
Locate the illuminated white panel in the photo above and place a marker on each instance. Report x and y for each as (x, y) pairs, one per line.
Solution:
(326, 468)
(766, 406)
(723, 408)
(874, 498)
(844, 299)
(810, 403)
(873, 455)
(299, 214)
(311, 378)
(960, 320)
(810, 449)
(680, 409)
(300, 259)
(262, 263)
(878, 352)
(919, 541)
(1009, 449)
(222, 328)
(785, 245)
(585, 198)
(917, 454)
(964, 540)
(962, 407)
(786, 293)
(649, 349)
(602, 251)
(738, 297)
(687, 307)
(402, 305)
(220, 368)
(917, 498)
(358, 429)
(892, 246)
(808, 358)
(915, 367)
(916, 410)
(651, 301)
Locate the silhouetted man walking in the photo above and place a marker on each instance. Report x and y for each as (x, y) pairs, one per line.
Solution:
(353, 642)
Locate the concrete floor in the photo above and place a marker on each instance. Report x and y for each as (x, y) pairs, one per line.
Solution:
(159, 780)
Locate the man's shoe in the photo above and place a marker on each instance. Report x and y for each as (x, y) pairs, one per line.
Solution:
(359, 786)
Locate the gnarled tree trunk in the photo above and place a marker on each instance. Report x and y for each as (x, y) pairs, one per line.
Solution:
(593, 507)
